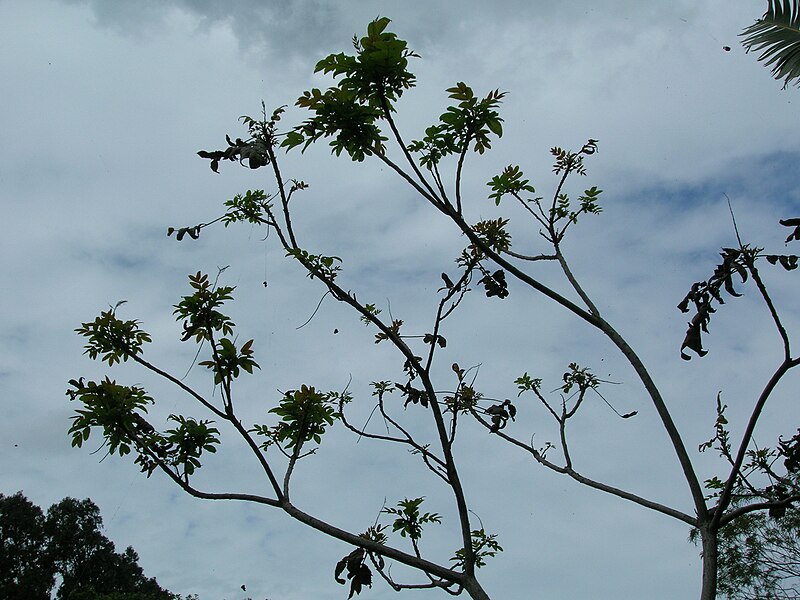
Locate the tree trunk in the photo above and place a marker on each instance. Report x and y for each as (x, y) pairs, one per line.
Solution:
(710, 553)
(474, 589)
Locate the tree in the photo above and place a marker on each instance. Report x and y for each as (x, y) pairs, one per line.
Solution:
(67, 542)
(759, 553)
(87, 560)
(26, 571)
(357, 117)
(759, 557)
(777, 36)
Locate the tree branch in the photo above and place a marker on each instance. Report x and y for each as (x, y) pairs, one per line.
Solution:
(641, 501)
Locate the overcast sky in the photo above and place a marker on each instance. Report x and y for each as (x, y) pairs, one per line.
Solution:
(105, 104)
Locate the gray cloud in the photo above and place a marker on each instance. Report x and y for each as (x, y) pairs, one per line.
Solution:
(311, 27)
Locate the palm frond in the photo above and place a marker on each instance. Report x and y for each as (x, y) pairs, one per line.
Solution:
(777, 36)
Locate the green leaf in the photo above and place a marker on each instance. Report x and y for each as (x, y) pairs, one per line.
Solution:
(495, 126)
(777, 36)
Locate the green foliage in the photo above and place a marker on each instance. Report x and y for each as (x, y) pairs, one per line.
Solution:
(371, 309)
(439, 141)
(113, 339)
(464, 400)
(199, 310)
(382, 387)
(525, 383)
(305, 415)
(409, 520)
(379, 71)
(317, 265)
(580, 377)
(338, 113)
(572, 162)
(471, 121)
(188, 441)
(228, 362)
(510, 181)
(777, 35)
(466, 397)
(117, 409)
(371, 81)
(493, 234)
(588, 204)
(756, 554)
(758, 557)
(483, 546)
(113, 408)
(247, 208)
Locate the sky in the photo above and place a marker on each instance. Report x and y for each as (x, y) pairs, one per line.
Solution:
(105, 105)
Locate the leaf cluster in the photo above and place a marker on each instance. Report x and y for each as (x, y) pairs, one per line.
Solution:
(228, 362)
(111, 407)
(199, 309)
(412, 395)
(409, 519)
(588, 203)
(471, 121)
(249, 207)
(510, 181)
(189, 440)
(305, 415)
(112, 339)
(526, 383)
(371, 81)
(317, 264)
(492, 233)
(790, 450)
(572, 162)
(580, 377)
(777, 36)
(118, 411)
(378, 71)
(371, 309)
(466, 397)
(338, 113)
(483, 546)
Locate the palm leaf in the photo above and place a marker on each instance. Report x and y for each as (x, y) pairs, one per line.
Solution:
(777, 36)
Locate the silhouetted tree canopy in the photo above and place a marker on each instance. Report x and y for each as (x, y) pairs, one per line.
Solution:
(67, 542)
